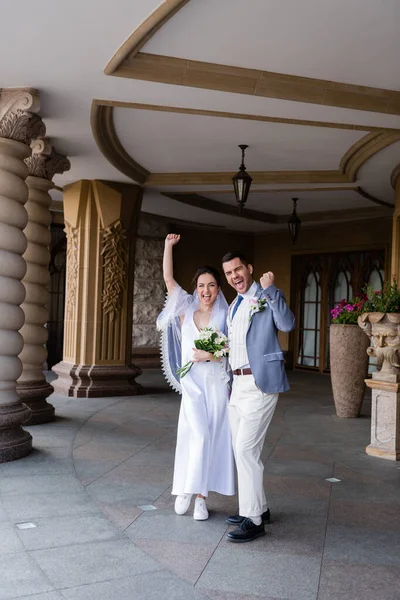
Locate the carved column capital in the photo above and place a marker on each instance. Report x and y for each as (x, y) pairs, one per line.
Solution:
(18, 118)
(45, 162)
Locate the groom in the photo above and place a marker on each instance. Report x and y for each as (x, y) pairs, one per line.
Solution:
(259, 375)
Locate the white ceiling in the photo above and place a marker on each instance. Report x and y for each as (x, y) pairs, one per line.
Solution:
(62, 50)
(272, 146)
(352, 41)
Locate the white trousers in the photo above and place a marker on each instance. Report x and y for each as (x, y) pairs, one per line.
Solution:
(250, 413)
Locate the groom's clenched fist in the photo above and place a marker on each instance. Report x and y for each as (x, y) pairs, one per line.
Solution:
(267, 279)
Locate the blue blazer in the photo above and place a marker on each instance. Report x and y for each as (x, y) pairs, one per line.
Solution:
(263, 349)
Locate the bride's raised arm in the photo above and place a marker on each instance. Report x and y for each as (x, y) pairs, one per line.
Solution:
(168, 264)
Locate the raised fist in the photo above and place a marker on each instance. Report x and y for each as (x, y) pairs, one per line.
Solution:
(267, 279)
(172, 239)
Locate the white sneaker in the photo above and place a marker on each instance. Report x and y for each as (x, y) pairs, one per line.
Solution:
(182, 503)
(200, 510)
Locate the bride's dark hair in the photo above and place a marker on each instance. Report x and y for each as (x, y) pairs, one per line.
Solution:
(207, 269)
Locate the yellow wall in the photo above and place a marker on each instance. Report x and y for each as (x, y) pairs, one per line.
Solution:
(207, 247)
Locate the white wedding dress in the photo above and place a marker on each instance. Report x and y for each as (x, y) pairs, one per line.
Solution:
(203, 456)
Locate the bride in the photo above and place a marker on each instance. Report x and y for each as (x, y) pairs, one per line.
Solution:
(203, 455)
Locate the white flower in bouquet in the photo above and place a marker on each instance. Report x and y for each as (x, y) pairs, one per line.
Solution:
(210, 340)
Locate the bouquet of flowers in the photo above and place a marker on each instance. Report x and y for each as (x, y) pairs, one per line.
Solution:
(211, 340)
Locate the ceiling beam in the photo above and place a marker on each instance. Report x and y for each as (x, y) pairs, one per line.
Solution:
(254, 82)
(242, 116)
(350, 214)
(259, 177)
(103, 129)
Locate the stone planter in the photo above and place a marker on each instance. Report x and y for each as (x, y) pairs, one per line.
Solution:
(349, 368)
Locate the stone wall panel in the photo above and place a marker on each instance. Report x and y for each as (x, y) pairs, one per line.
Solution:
(145, 336)
(149, 289)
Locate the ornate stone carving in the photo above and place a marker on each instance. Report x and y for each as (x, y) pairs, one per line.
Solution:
(384, 331)
(18, 120)
(72, 269)
(45, 161)
(114, 267)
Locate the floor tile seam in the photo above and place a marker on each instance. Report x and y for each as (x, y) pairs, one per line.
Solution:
(121, 537)
(79, 492)
(212, 554)
(168, 570)
(97, 478)
(13, 553)
(139, 515)
(130, 523)
(372, 565)
(118, 536)
(361, 527)
(74, 514)
(34, 475)
(95, 512)
(326, 533)
(278, 553)
(206, 591)
(44, 574)
(96, 412)
(120, 463)
(38, 594)
(110, 580)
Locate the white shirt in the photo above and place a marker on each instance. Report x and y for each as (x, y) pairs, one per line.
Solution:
(237, 330)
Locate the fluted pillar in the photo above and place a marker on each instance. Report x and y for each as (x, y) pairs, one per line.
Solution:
(18, 124)
(32, 386)
(101, 219)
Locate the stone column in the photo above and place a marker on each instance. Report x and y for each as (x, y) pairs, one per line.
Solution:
(32, 386)
(101, 220)
(18, 125)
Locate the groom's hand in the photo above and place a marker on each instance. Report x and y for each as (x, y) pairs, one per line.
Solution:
(267, 279)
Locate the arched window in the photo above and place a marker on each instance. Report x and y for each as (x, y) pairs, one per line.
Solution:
(320, 282)
(342, 288)
(376, 277)
(310, 317)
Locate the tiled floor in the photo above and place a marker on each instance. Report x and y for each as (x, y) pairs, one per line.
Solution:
(96, 474)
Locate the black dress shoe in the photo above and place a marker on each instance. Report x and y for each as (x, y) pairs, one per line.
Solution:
(246, 532)
(238, 520)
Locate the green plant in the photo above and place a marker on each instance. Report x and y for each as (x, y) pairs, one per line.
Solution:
(386, 300)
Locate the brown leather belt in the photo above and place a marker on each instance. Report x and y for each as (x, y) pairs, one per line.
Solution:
(242, 371)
